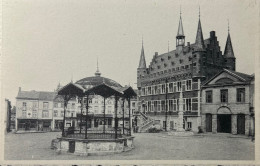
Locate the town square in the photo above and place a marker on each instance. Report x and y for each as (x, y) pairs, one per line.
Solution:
(84, 80)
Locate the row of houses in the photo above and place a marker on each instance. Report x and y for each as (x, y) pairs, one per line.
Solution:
(44, 111)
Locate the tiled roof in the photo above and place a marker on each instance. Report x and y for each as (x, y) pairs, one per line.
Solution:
(244, 76)
(36, 95)
(28, 95)
(241, 76)
(49, 96)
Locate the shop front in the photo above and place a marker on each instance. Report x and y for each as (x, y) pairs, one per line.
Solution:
(27, 124)
(44, 125)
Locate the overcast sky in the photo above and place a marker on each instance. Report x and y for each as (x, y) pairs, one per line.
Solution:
(50, 41)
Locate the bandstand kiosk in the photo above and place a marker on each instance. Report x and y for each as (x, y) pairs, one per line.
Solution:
(95, 142)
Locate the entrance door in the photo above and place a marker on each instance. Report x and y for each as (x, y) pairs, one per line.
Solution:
(208, 123)
(72, 146)
(224, 123)
(240, 124)
(172, 125)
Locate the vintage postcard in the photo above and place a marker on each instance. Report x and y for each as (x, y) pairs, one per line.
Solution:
(120, 81)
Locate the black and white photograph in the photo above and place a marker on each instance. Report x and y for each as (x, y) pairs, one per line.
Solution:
(129, 80)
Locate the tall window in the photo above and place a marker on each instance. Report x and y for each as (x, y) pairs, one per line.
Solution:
(149, 90)
(149, 106)
(189, 125)
(155, 89)
(179, 86)
(170, 105)
(34, 113)
(62, 113)
(155, 106)
(45, 105)
(159, 105)
(163, 88)
(209, 96)
(96, 109)
(109, 109)
(96, 100)
(24, 113)
(224, 96)
(153, 92)
(55, 113)
(45, 113)
(159, 89)
(170, 87)
(188, 104)
(240, 94)
(163, 105)
(24, 106)
(143, 92)
(174, 105)
(73, 105)
(188, 84)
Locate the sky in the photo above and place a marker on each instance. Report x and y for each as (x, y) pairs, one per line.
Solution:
(45, 42)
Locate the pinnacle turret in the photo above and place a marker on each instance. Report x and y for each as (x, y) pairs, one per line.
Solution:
(180, 38)
(199, 42)
(142, 62)
(97, 73)
(229, 53)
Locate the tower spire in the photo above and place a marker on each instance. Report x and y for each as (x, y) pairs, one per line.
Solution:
(180, 38)
(142, 62)
(229, 53)
(228, 25)
(97, 73)
(199, 43)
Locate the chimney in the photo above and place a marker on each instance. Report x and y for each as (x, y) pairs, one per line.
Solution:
(156, 54)
(188, 44)
(212, 34)
(20, 89)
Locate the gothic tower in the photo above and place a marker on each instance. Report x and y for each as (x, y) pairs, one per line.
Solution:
(230, 60)
(199, 50)
(180, 38)
(141, 70)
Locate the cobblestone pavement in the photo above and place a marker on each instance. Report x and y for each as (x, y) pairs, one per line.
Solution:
(148, 146)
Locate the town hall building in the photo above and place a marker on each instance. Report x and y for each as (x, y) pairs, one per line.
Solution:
(184, 69)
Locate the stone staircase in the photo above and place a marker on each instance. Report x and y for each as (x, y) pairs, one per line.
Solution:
(146, 122)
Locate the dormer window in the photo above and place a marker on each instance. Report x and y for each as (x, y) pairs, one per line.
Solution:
(162, 59)
(158, 67)
(169, 57)
(165, 65)
(176, 54)
(190, 58)
(172, 63)
(181, 60)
